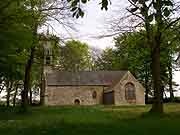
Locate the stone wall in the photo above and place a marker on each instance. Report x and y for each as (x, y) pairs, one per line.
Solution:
(119, 91)
(66, 95)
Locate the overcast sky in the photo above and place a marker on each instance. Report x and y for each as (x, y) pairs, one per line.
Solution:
(93, 23)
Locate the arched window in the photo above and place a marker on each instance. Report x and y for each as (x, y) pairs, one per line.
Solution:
(94, 95)
(77, 102)
(130, 91)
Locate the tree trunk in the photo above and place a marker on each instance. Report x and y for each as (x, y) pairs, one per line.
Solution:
(27, 78)
(165, 95)
(42, 83)
(15, 94)
(42, 92)
(170, 82)
(146, 85)
(157, 105)
(9, 87)
(8, 94)
(30, 97)
(146, 91)
(27, 86)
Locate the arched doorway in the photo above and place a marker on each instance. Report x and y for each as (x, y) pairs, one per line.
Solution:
(77, 102)
(130, 93)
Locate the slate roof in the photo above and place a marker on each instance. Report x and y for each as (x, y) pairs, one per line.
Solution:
(84, 78)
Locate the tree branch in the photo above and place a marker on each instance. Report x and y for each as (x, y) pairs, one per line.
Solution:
(172, 23)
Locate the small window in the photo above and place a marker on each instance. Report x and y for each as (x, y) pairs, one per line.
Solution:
(94, 95)
(48, 60)
(77, 102)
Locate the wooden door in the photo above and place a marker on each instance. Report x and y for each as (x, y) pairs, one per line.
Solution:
(108, 98)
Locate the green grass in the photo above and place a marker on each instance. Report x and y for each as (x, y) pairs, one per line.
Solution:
(92, 120)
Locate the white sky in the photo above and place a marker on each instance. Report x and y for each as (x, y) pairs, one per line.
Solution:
(92, 24)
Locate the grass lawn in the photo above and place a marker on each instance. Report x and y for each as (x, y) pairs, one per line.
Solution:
(92, 120)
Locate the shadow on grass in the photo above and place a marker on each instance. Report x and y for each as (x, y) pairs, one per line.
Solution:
(118, 127)
(13, 113)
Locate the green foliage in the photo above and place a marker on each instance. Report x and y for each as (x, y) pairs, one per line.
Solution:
(15, 37)
(75, 56)
(132, 46)
(132, 53)
(76, 6)
(155, 16)
(110, 59)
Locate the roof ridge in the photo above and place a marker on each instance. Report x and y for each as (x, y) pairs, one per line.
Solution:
(84, 77)
(93, 71)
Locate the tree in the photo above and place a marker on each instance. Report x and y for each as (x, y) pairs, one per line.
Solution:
(139, 57)
(110, 59)
(168, 53)
(157, 12)
(41, 12)
(19, 23)
(132, 47)
(15, 37)
(75, 56)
